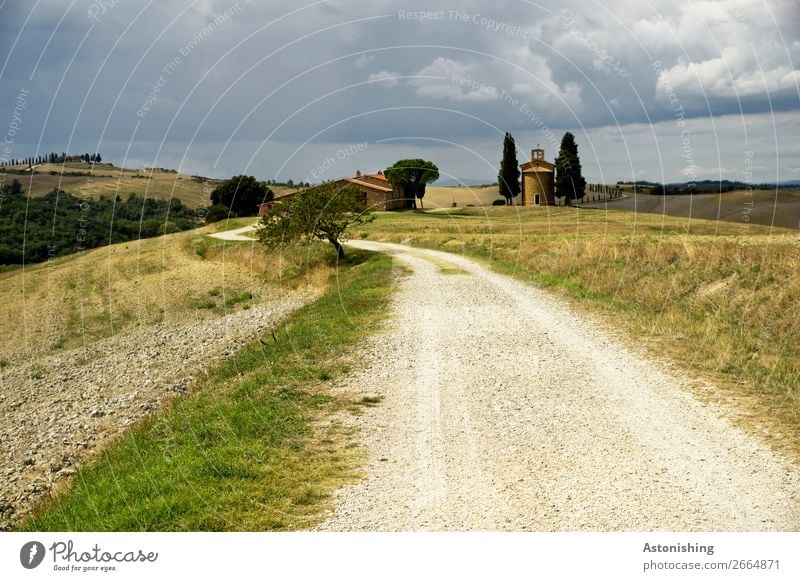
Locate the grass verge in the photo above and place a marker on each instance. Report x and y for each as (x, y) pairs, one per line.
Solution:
(253, 446)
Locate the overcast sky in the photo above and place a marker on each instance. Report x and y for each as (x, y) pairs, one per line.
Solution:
(657, 90)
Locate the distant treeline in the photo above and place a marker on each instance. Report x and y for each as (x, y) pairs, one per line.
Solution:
(53, 157)
(702, 187)
(60, 223)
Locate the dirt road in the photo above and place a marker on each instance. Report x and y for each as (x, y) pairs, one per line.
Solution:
(505, 410)
(239, 234)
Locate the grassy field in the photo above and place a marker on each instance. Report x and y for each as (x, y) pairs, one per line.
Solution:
(766, 207)
(79, 299)
(444, 196)
(256, 446)
(106, 180)
(719, 298)
(779, 208)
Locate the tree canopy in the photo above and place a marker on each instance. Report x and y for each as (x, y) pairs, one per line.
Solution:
(242, 194)
(59, 223)
(216, 213)
(508, 178)
(569, 180)
(322, 213)
(412, 175)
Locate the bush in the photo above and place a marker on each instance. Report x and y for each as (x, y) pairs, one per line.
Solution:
(218, 212)
(498, 202)
(242, 194)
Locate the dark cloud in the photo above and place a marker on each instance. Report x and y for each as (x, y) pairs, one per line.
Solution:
(194, 82)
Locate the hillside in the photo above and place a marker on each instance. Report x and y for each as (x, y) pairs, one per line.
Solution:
(779, 208)
(106, 179)
(96, 344)
(82, 298)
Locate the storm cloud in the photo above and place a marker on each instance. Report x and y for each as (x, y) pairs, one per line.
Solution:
(221, 87)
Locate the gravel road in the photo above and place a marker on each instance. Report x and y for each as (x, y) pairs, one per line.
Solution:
(238, 234)
(503, 409)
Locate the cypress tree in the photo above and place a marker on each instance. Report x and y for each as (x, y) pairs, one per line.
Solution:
(508, 178)
(569, 180)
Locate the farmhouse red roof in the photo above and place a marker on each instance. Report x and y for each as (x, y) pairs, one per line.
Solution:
(366, 184)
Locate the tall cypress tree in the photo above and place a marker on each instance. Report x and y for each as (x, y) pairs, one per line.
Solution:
(508, 178)
(569, 180)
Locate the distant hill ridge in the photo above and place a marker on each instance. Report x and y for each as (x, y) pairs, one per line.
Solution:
(715, 185)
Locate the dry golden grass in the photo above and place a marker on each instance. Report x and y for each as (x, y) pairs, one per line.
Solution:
(719, 298)
(109, 180)
(444, 196)
(82, 298)
(769, 207)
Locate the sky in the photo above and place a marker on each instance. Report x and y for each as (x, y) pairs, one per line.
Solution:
(653, 90)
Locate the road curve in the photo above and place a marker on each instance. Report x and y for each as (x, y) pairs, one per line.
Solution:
(503, 409)
(237, 234)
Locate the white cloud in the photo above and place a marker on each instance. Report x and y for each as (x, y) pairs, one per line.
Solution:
(731, 49)
(362, 61)
(386, 78)
(729, 75)
(446, 78)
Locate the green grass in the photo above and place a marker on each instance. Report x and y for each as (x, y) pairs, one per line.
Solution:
(245, 449)
(234, 223)
(230, 299)
(237, 298)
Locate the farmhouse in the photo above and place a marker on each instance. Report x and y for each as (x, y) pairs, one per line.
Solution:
(379, 194)
(538, 180)
(267, 206)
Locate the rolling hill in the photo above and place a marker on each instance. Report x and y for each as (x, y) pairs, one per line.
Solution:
(780, 208)
(95, 180)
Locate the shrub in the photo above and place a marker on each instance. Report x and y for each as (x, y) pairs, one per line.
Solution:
(218, 212)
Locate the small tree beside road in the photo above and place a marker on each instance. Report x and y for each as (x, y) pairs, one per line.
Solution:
(321, 213)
